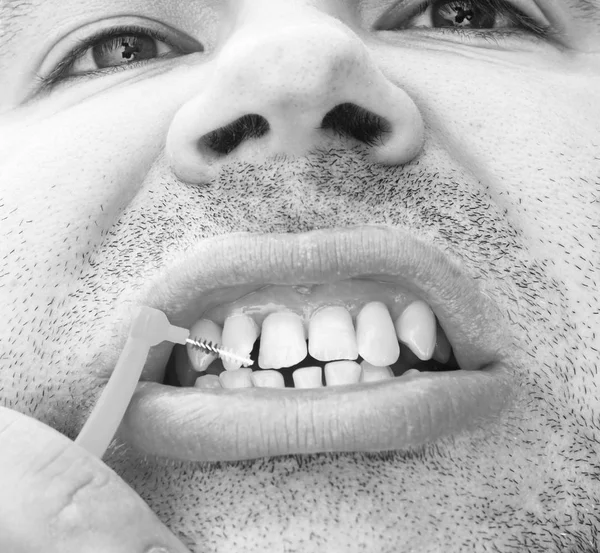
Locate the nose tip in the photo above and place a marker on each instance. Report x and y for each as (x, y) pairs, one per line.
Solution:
(291, 91)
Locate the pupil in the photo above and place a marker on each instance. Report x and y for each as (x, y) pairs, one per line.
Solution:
(128, 49)
(124, 49)
(460, 14)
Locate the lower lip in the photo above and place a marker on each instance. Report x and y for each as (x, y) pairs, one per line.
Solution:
(398, 414)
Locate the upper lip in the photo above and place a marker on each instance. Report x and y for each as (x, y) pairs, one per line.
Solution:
(219, 270)
(205, 273)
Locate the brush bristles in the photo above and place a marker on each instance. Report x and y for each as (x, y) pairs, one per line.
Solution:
(220, 351)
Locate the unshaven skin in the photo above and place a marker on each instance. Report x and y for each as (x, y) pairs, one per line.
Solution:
(501, 171)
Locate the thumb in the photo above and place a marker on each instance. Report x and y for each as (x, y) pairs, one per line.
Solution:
(56, 497)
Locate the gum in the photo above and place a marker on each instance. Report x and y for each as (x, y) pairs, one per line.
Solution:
(353, 294)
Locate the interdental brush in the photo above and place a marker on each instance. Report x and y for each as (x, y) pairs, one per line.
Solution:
(150, 327)
(220, 351)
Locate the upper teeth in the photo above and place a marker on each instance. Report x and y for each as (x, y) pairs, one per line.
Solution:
(375, 335)
(416, 328)
(332, 337)
(283, 341)
(239, 334)
(210, 331)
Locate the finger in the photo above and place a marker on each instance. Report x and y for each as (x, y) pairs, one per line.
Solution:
(56, 497)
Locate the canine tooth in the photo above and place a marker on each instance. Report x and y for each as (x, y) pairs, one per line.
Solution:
(242, 378)
(282, 342)
(376, 336)
(267, 379)
(239, 334)
(207, 330)
(443, 349)
(208, 381)
(308, 377)
(339, 373)
(371, 373)
(331, 335)
(416, 329)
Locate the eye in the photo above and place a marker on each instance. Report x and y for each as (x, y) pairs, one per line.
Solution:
(479, 17)
(125, 48)
(115, 49)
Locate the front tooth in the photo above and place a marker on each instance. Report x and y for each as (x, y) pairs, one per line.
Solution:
(371, 373)
(239, 334)
(376, 336)
(208, 381)
(443, 348)
(242, 378)
(308, 377)
(206, 330)
(339, 373)
(268, 379)
(282, 342)
(416, 328)
(331, 335)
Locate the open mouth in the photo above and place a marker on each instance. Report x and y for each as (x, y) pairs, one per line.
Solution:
(309, 336)
(362, 339)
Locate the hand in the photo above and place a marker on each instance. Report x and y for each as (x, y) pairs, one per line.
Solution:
(56, 497)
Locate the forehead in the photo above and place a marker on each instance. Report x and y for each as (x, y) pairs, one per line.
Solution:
(11, 11)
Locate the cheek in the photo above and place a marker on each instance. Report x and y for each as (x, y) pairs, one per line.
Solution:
(536, 154)
(81, 165)
(539, 155)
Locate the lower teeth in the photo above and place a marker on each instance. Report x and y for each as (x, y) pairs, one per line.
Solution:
(187, 377)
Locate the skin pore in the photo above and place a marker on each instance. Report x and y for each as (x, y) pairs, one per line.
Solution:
(505, 181)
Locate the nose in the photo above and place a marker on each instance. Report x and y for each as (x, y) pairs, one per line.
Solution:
(290, 89)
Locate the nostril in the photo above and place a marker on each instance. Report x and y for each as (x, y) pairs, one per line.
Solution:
(351, 120)
(226, 139)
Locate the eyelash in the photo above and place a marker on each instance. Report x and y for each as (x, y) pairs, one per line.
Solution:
(60, 72)
(489, 7)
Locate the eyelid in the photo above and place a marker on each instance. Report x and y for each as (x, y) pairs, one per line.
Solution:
(78, 41)
(406, 8)
(68, 64)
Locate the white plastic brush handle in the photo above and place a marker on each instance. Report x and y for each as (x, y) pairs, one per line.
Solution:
(149, 328)
(99, 429)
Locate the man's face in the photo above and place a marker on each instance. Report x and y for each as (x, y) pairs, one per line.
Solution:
(189, 155)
